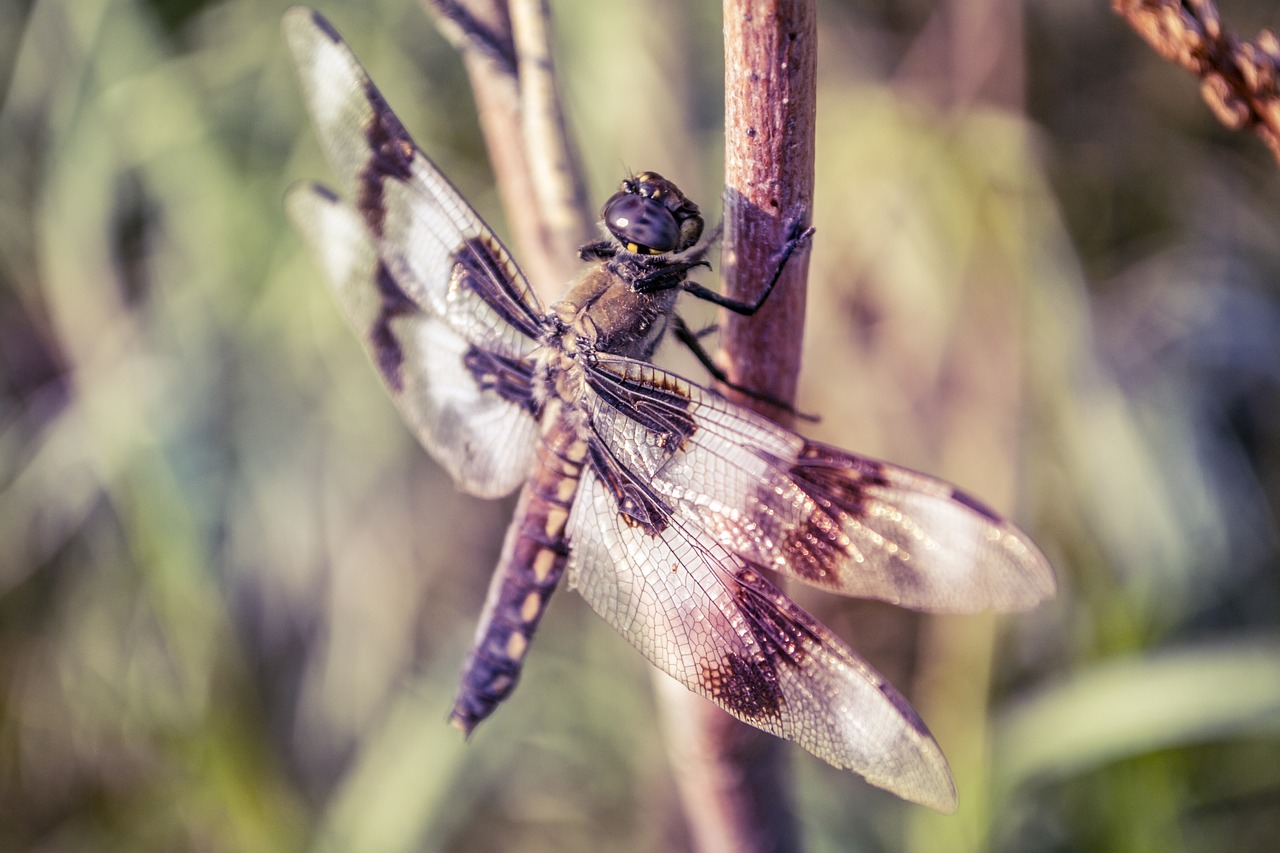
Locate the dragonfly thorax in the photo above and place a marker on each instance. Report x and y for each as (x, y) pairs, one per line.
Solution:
(603, 312)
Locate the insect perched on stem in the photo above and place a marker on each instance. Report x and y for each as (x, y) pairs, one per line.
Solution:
(665, 504)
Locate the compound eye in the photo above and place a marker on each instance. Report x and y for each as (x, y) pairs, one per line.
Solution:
(643, 225)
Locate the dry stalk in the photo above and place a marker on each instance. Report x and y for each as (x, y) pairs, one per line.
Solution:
(733, 778)
(1238, 79)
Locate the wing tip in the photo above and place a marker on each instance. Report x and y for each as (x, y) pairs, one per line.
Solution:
(915, 771)
(929, 781)
(304, 200)
(939, 794)
(301, 22)
(947, 802)
(923, 775)
(1038, 583)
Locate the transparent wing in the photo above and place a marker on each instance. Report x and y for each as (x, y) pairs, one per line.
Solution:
(771, 498)
(440, 252)
(710, 620)
(469, 408)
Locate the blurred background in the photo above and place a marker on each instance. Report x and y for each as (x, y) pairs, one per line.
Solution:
(235, 595)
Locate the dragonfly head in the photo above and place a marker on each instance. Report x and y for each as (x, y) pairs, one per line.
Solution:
(650, 216)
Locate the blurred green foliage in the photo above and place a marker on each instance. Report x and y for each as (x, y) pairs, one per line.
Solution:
(234, 595)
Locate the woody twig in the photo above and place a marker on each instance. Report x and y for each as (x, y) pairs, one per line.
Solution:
(1238, 77)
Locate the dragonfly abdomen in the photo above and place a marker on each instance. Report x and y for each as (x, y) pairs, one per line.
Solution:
(533, 559)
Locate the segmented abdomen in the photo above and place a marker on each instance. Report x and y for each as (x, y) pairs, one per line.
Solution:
(533, 559)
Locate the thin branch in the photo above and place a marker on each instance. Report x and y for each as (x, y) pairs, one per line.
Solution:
(477, 26)
(732, 777)
(770, 106)
(1238, 79)
(559, 187)
(482, 32)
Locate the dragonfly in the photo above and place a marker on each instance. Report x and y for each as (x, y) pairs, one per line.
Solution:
(667, 506)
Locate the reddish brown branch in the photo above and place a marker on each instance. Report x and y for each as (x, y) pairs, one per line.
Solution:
(732, 777)
(770, 105)
(1238, 78)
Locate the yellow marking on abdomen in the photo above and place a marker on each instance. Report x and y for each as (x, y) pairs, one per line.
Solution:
(566, 489)
(542, 565)
(531, 607)
(556, 518)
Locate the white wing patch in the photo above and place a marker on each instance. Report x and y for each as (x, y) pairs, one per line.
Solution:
(483, 440)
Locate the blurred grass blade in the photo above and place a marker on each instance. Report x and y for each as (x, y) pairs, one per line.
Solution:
(1138, 705)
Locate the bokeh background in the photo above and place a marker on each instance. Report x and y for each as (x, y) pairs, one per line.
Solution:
(235, 595)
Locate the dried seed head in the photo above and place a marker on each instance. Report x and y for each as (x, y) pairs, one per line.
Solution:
(1228, 106)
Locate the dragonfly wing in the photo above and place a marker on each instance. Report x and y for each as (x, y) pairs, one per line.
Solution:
(843, 522)
(714, 623)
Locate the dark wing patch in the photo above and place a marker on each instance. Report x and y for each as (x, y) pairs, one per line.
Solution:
(817, 545)
(437, 249)
(384, 346)
(391, 153)
(635, 501)
(746, 688)
(482, 267)
(751, 688)
(835, 480)
(509, 378)
(781, 635)
(646, 405)
(470, 407)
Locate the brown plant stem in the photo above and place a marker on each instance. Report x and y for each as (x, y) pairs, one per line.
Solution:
(733, 778)
(1238, 79)
(770, 108)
